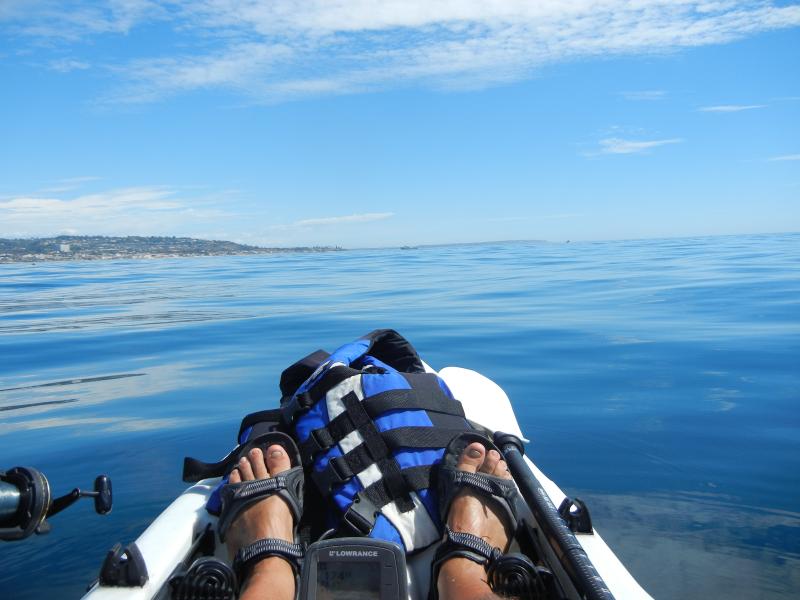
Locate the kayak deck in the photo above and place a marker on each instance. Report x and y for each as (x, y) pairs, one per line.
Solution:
(169, 539)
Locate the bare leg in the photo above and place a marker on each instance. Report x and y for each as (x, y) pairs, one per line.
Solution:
(460, 578)
(272, 578)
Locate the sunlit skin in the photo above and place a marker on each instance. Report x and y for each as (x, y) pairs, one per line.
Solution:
(272, 578)
(271, 518)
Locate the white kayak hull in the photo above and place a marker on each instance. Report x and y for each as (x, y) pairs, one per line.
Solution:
(167, 542)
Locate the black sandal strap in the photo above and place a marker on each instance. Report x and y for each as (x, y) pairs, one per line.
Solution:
(459, 544)
(451, 480)
(247, 557)
(466, 545)
(482, 551)
(236, 497)
(494, 486)
(259, 487)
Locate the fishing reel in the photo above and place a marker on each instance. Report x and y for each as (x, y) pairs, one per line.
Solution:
(26, 502)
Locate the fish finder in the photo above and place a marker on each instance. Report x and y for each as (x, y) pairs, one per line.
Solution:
(354, 569)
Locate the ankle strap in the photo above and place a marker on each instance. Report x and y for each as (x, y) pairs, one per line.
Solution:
(465, 545)
(247, 557)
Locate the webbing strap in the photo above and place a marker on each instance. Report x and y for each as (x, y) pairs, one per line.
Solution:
(373, 440)
(341, 468)
(300, 403)
(419, 437)
(359, 518)
(324, 438)
(432, 400)
(429, 382)
(414, 478)
(428, 397)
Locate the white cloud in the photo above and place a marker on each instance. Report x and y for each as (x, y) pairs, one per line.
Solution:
(622, 146)
(68, 184)
(726, 108)
(129, 211)
(65, 65)
(360, 218)
(160, 210)
(785, 157)
(645, 95)
(282, 49)
(73, 20)
(80, 179)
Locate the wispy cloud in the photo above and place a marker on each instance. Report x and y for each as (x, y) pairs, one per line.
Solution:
(623, 146)
(150, 210)
(66, 65)
(68, 184)
(359, 218)
(784, 158)
(272, 51)
(728, 108)
(80, 179)
(645, 95)
(72, 20)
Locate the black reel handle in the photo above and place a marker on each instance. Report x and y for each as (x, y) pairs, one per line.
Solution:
(26, 501)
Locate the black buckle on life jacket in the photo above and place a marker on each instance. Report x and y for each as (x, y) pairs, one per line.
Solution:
(297, 404)
(359, 518)
(312, 445)
(337, 472)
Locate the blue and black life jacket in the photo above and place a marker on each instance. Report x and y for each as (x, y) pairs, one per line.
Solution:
(370, 423)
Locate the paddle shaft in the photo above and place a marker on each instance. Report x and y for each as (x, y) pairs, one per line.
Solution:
(571, 554)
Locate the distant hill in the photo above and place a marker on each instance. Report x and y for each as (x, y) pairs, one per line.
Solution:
(70, 247)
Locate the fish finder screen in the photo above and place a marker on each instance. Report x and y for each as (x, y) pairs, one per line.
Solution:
(348, 580)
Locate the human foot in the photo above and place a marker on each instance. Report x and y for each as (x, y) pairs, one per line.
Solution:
(470, 513)
(269, 518)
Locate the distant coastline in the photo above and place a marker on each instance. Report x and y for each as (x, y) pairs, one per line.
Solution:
(70, 247)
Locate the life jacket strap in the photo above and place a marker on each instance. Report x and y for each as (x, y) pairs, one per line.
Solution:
(298, 404)
(359, 518)
(414, 479)
(340, 469)
(428, 397)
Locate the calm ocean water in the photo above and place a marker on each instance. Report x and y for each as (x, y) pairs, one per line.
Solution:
(658, 380)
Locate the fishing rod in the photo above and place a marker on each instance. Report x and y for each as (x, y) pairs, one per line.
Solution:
(26, 502)
(555, 523)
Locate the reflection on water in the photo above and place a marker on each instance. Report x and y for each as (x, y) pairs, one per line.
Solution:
(707, 546)
(72, 381)
(32, 404)
(661, 376)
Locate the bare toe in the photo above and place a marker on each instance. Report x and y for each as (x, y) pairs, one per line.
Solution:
(267, 518)
(489, 465)
(501, 470)
(245, 470)
(277, 460)
(471, 458)
(256, 457)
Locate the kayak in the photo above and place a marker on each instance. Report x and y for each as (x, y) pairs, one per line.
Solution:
(178, 549)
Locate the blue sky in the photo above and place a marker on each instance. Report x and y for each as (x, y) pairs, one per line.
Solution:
(374, 123)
